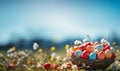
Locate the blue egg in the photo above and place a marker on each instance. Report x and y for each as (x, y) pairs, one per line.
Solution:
(99, 47)
(112, 49)
(92, 56)
(78, 53)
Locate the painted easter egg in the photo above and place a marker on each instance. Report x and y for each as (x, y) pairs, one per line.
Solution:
(78, 53)
(76, 48)
(82, 47)
(99, 47)
(108, 53)
(96, 43)
(101, 55)
(90, 48)
(88, 44)
(92, 56)
(85, 54)
(106, 47)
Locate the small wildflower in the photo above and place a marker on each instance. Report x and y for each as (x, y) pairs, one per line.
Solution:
(53, 48)
(51, 59)
(40, 50)
(77, 42)
(66, 46)
(35, 46)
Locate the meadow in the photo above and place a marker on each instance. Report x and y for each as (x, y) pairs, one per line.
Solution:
(34, 60)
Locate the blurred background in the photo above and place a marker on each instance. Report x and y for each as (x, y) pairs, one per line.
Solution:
(56, 23)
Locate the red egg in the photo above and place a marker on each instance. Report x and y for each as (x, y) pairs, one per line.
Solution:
(47, 66)
(106, 47)
(85, 54)
(87, 44)
(82, 47)
(101, 55)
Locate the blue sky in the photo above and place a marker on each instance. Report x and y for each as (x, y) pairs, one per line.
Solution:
(57, 20)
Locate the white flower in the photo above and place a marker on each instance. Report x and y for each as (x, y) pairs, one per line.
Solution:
(65, 59)
(9, 51)
(103, 41)
(68, 51)
(63, 66)
(85, 40)
(74, 67)
(39, 65)
(77, 42)
(22, 53)
(96, 51)
(53, 55)
(35, 46)
(58, 57)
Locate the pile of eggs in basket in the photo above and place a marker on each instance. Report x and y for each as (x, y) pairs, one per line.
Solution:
(92, 50)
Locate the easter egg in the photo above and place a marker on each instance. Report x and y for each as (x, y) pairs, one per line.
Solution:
(101, 55)
(90, 48)
(88, 44)
(82, 47)
(85, 54)
(99, 47)
(96, 43)
(47, 66)
(78, 53)
(92, 56)
(106, 47)
(76, 48)
(108, 53)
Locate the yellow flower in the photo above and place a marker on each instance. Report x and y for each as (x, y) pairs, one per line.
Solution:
(53, 48)
(28, 62)
(66, 46)
(57, 61)
(13, 48)
(40, 50)
(51, 59)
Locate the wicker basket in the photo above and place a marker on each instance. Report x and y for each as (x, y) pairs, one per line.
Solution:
(94, 64)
